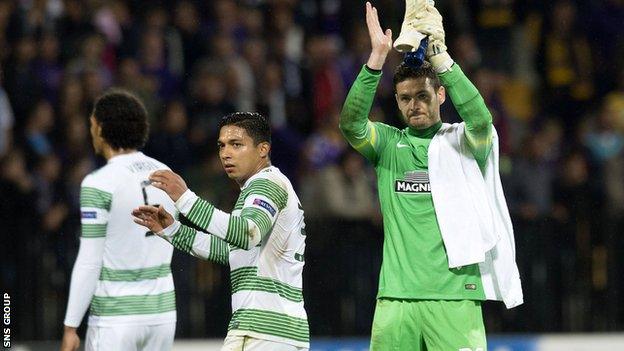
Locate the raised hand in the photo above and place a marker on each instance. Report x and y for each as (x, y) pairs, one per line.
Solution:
(381, 42)
(169, 182)
(153, 218)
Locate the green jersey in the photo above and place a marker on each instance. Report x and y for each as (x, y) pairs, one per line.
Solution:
(415, 265)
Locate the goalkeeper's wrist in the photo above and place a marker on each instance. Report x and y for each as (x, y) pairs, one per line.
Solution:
(441, 62)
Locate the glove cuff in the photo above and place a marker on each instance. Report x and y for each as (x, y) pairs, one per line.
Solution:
(441, 62)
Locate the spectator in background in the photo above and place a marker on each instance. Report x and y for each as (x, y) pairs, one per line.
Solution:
(91, 61)
(530, 192)
(20, 78)
(604, 139)
(192, 36)
(325, 145)
(241, 80)
(130, 77)
(37, 132)
(565, 65)
(72, 26)
(208, 100)
(48, 67)
(494, 22)
(71, 98)
(170, 143)
(324, 77)
(345, 190)
(154, 64)
(574, 197)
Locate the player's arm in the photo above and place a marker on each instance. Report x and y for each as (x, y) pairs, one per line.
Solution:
(243, 231)
(263, 200)
(465, 97)
(182, 237)
(354, 124)
(472, 109)
(94, 207)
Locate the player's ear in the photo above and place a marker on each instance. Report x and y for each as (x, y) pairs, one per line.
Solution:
(441, 95)
(264, 148)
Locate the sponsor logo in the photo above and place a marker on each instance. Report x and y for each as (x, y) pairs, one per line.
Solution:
(470, 286)
(415, 182)
(267, 206)
(400, 145)
(88, 214)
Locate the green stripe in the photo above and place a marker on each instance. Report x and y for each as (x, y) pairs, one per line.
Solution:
(133, 275)
(93, 230)
(184, 238)
(219, 250)
(237, 232)
(201, 213)
(271, 323)
(133, 304)
(269, 189)
(92, 197)
(246, 278)
(259, 217)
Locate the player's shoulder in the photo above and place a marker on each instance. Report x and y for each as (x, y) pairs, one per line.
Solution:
(386, 131)
(160, 165)
(270, 179)
(270, 174)
(102, 178)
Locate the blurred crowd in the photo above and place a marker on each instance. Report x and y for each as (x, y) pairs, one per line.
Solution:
(551, 73)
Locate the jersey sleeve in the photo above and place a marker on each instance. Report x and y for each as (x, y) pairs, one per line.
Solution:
(198, 244)
(95, 205)
(363, 135)
(472, 109)
(263, 199)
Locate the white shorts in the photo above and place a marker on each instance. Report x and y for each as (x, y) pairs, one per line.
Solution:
(130, 338)
(247, 343)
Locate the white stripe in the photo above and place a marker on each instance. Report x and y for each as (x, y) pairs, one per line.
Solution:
(268, 302)
(269, 338)
(142, 287)
(133, 319)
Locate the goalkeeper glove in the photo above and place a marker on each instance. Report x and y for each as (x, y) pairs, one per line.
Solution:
(430, 23)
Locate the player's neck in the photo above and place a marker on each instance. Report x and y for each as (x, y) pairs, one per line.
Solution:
(261, 166)
(108, 152)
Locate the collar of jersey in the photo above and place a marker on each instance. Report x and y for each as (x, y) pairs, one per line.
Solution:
(254, 176)
(122, 156)
(426, 133)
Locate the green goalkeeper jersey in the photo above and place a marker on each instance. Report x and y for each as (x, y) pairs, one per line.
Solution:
(415, 265)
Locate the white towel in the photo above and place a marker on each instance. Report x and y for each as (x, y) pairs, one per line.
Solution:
(472, 213)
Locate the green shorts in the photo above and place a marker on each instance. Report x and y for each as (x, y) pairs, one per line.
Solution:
(431, 325)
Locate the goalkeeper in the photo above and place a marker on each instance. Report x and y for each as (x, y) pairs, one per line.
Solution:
(448, 237)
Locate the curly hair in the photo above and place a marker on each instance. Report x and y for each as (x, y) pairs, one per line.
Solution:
(255, 124)
(123, 119)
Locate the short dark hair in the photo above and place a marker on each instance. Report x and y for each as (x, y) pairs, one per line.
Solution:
(123, 119)
(255, 124)
(404, 72)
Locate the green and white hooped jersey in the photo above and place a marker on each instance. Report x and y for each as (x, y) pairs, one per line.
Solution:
(263, 240)
(135, 285)
(267, 297)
